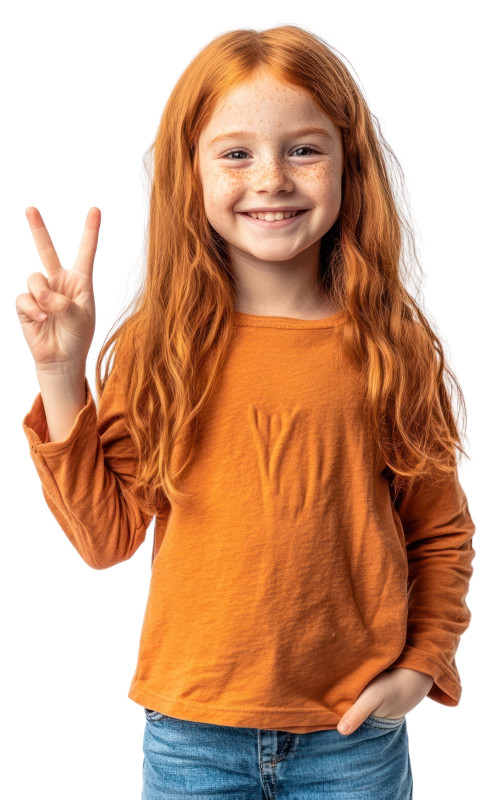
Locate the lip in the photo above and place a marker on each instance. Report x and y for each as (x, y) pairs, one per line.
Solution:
(272, 210)
(280, 223)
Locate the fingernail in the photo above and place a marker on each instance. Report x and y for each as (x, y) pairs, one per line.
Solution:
(344, 726)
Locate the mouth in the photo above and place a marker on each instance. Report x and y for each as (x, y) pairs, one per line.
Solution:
(280, 223)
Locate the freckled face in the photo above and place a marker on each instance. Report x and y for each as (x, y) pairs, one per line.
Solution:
(270, 166)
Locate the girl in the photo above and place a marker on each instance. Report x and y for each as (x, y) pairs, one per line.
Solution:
(277, 402)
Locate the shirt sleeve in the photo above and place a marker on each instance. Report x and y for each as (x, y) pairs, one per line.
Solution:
(438, 532)
(85, 479)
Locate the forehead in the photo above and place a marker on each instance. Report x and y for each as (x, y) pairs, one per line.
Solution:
(265, 104)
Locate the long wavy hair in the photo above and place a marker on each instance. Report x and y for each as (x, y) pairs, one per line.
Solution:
(181, 321)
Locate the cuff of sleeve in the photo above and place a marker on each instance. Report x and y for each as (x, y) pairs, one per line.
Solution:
(446, 688)
(35, 425)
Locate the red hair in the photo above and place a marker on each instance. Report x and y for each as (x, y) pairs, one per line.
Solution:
(182, 318)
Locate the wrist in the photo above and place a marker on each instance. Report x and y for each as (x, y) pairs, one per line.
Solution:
(60, 369)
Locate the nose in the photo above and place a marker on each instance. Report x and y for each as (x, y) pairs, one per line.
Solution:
(272, 176)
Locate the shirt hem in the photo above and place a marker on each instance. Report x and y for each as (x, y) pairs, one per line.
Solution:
(286, 719)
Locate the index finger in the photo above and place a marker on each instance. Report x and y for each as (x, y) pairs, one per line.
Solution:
(88, 243)
(42, 240)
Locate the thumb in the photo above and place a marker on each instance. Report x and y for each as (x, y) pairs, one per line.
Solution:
(57, 304)
(345, 725)
(354, 717)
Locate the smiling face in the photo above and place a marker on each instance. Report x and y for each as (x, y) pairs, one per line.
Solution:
(270, 165)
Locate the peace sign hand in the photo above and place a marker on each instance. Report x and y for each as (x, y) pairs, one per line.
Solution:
(58, 314)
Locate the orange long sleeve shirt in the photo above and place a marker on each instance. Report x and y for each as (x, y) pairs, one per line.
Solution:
(292, 577)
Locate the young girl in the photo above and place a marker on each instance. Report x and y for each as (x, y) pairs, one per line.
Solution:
(277, 402)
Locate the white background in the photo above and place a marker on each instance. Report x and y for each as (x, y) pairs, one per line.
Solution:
(83, 88)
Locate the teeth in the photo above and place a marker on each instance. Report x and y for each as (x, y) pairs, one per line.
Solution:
(270, 217)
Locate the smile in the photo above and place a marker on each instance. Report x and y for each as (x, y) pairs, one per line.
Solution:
(278, 223)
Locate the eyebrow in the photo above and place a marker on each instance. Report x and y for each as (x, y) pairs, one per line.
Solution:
(309, 131)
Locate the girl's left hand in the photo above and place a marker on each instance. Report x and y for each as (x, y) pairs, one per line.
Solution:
(390, 694)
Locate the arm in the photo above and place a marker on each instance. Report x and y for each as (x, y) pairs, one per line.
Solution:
(85, 478)
(438, 533)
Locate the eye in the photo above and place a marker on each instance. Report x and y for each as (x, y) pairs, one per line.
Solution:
(306, 148)
(232, 152)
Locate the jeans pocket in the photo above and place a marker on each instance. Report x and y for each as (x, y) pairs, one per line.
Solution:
(153, 716)
(384, 722)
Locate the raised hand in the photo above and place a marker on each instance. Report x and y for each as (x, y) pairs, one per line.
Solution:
(58, 313)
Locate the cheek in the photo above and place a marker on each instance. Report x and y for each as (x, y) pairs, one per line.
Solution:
(222, 190)
(323, 182)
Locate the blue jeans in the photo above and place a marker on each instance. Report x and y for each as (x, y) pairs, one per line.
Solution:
(199, 760)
